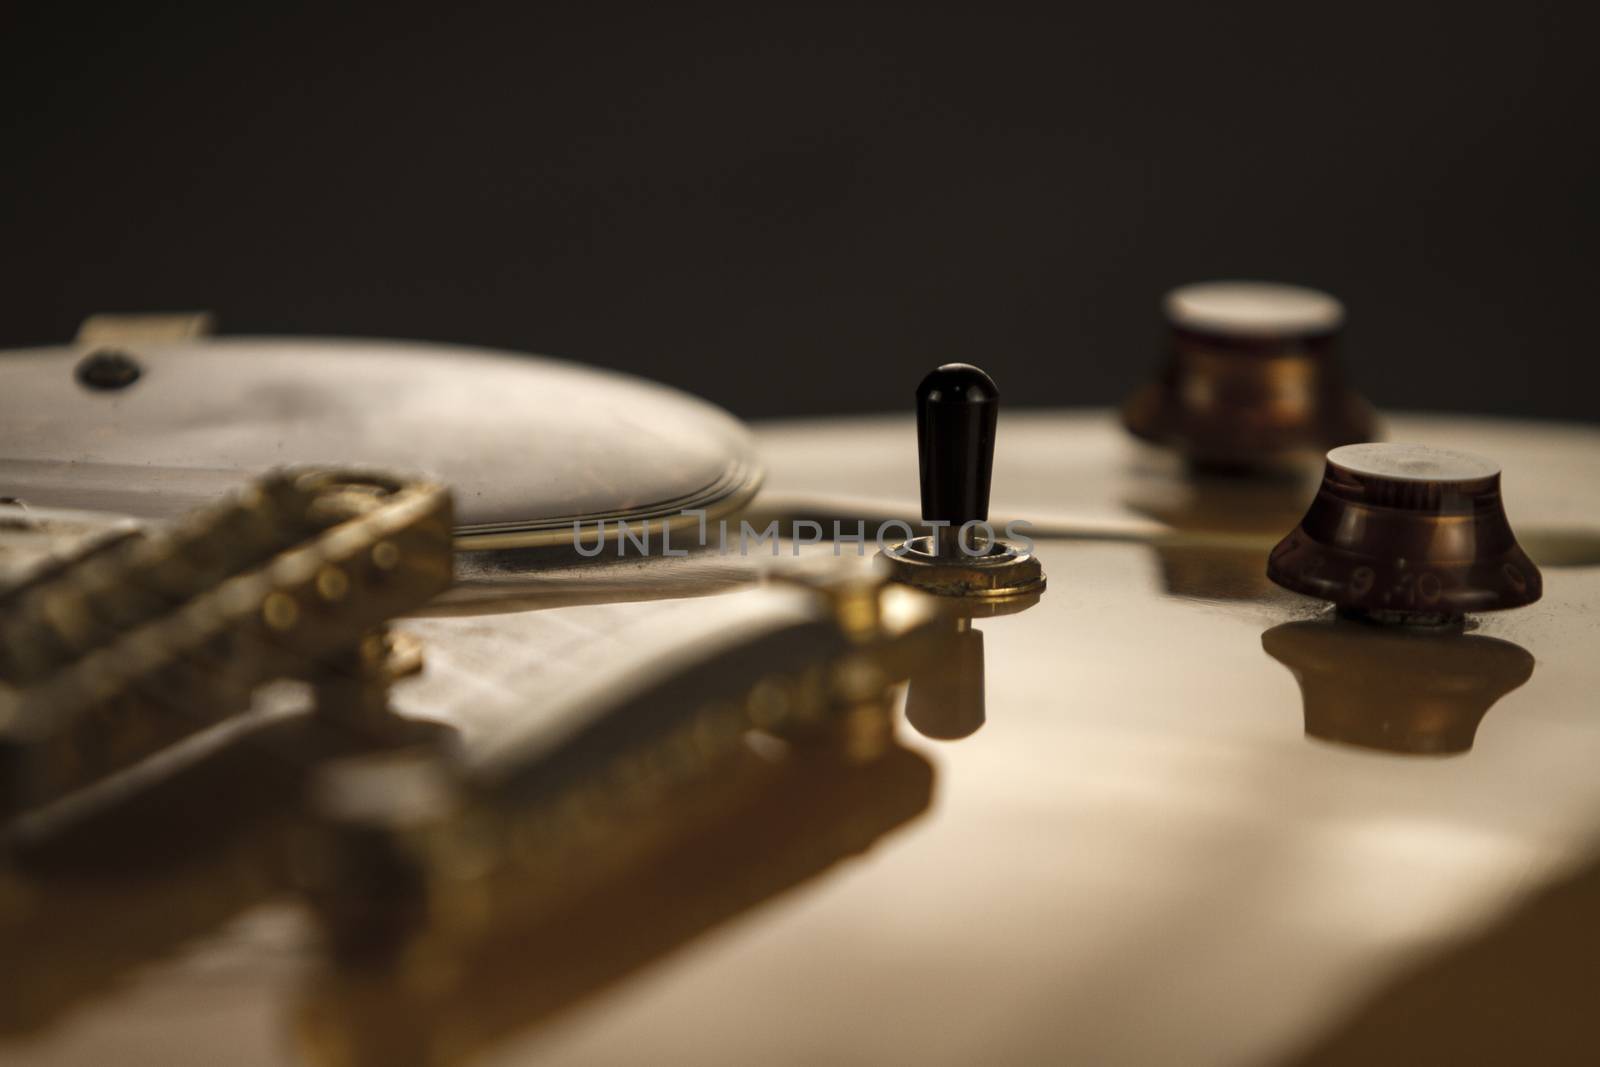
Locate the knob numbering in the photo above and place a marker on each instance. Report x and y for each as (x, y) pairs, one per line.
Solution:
(1407, 533)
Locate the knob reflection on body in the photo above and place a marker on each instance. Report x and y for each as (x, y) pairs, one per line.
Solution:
(1406, 533)
(1401, 690)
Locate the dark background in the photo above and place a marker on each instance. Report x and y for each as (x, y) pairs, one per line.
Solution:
(800, 210)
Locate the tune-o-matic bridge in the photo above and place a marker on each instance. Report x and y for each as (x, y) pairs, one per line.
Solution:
(412, 850)
(465, 899)
(137, 641)
(803, 665)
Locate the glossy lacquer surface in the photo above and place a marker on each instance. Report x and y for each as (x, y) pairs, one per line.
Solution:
(1200, 821)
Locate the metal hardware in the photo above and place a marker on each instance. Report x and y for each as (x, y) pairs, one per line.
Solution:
(140, 641)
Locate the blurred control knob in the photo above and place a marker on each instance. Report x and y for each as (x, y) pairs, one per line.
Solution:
(1252, 379)
(1407, 533)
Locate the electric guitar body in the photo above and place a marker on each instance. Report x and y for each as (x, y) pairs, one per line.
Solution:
(1161, 810)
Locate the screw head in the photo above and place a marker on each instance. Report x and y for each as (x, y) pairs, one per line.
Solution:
(107, 369)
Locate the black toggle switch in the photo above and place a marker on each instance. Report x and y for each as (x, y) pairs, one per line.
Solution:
(957, 408)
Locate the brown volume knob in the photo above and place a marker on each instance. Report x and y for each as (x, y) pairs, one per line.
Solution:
(1408, 533)
(1253, 377)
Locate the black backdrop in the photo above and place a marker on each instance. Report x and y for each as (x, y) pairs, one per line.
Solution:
(798, 210)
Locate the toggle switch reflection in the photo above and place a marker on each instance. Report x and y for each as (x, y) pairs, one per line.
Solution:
(946, 700)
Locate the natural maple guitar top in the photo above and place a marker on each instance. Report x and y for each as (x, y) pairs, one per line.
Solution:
(1140, 856)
